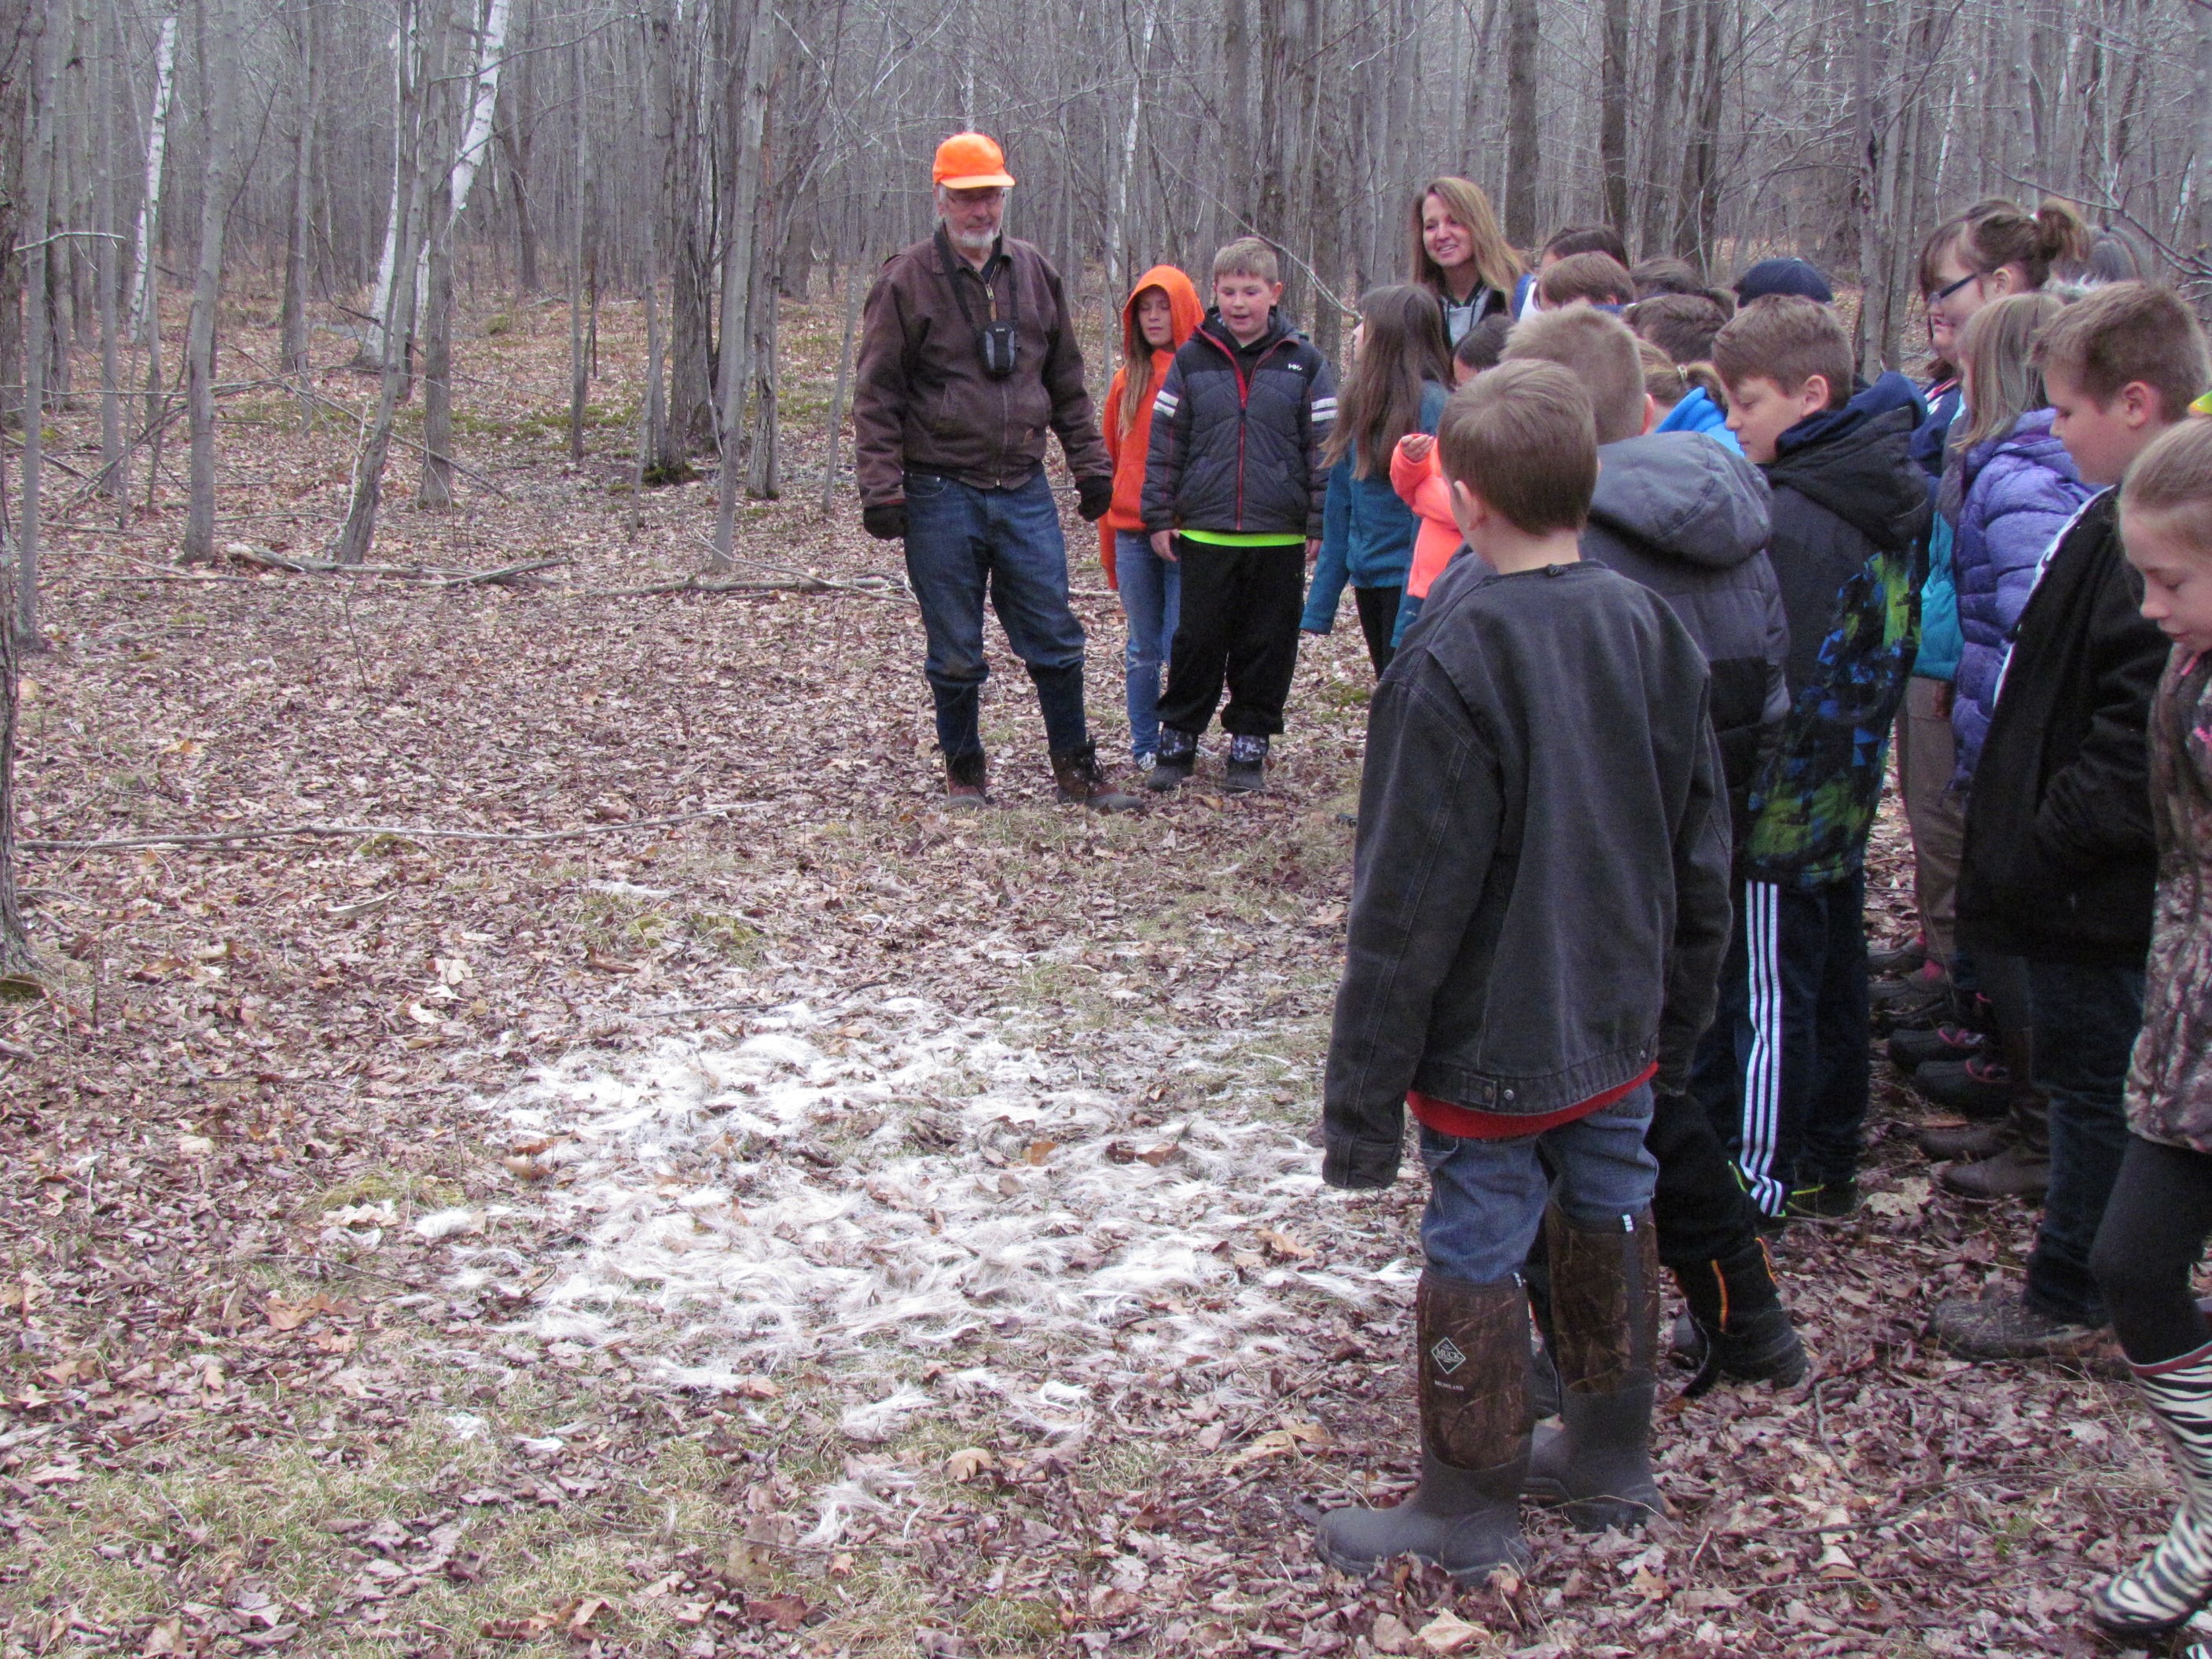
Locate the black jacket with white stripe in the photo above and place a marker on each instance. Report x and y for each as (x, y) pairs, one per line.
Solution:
(1237, 434)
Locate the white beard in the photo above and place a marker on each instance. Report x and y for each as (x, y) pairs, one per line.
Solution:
(976, 242)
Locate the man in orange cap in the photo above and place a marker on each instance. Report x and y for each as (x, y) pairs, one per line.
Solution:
(968, 357)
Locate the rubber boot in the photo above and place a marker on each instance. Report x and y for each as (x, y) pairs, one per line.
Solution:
(2174, 1580)
(1739, 1329)
(1605, 1316)
(1472, 1366)
(2023, 1115)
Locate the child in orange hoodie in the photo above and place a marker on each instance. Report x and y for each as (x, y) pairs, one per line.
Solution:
(1421, 484)
(1162, 312)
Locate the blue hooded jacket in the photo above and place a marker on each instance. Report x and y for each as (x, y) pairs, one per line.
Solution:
(2017, 492)
(1367, 532)
(1939, 596)
(1698, 413)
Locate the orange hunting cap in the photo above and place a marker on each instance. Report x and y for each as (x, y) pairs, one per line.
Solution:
(969, 160)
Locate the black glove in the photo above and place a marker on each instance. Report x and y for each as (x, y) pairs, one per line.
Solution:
(886, 523)
(1093, 497)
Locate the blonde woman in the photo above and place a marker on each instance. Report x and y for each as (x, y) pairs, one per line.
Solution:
(1460, 255)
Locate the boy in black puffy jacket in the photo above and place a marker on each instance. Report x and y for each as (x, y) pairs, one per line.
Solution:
(1234, 484)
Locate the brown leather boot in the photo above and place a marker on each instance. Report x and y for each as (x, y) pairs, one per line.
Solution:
(1465, 1516)
(963, 781)
(1604, 1317)
(1082, 783)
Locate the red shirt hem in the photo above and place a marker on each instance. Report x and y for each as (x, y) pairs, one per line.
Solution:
(1465, 1123)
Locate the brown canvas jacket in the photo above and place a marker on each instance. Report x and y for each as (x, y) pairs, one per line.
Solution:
(2170, 1080)
(923, 403)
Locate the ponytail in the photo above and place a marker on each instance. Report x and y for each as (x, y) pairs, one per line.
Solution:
(1993, 235)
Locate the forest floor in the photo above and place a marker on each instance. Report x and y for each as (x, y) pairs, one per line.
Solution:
(788, 1218)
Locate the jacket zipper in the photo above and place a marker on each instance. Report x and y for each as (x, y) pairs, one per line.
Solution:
(1243, 401)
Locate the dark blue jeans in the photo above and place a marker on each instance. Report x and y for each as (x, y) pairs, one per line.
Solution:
(1783, 1072)
(2086, 1020)
(963, 543)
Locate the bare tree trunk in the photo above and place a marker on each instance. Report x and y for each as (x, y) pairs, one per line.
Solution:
(218, 59)
(747, 105)
(292, 327)
(856, 285)
(18, 962)
(37, 268)
(434, 492)
(1612, 114)
(579, 370)
(2199, 232)
(660, 455)
(115, 476)
(515, 139)
(1521, 129)
(358, 533)
(1659, 160)
(145, 280)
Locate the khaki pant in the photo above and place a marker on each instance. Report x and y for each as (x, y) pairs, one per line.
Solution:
(1927, 755)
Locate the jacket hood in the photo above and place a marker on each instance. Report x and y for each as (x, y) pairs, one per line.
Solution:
(1682, 496)
(1185, 310)
(2031, 439)
(1856, 462)
(1279, 327)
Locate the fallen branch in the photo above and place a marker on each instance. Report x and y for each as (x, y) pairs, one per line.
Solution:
(397, 831)
(876, 587)
(508, 576)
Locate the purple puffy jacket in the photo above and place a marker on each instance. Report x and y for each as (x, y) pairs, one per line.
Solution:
(2019, 491)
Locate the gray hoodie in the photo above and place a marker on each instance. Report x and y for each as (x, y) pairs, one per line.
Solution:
(1688, 519)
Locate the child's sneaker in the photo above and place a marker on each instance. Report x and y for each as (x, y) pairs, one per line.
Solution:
(1248, 763)
(1172, 767)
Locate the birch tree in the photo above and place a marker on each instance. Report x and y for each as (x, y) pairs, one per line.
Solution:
(144, 281)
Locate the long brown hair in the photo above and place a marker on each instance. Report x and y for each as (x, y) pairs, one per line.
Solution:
(1401, 348)
(1136, 365)
(1495, 261)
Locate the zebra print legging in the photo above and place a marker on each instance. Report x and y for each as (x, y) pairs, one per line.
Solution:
(2155, 1225)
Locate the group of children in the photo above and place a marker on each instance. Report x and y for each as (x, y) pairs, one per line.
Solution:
(1647, 590)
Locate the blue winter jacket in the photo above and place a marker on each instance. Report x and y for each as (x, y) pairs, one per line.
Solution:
(1698, 413)
(2019, 491)
(1939, 597)
(1367, 531)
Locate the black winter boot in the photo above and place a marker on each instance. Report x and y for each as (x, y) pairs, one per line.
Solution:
(1177, 759)
(1739, 1329)
(1465, 1516)
(1605, 1315)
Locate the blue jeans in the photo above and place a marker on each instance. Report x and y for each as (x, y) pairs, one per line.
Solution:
(1151, 594)
(1487, 1198)
(962, 543)
(2086, 1020)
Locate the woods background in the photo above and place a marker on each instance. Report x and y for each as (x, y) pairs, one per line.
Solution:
(370, 162)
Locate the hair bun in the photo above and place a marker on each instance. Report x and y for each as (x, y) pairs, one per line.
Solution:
(2064, 238)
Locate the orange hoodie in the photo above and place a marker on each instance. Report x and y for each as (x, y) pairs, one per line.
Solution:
(1421, 484)
(1185, 312)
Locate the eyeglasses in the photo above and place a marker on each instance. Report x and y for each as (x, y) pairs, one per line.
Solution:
(1944, 294)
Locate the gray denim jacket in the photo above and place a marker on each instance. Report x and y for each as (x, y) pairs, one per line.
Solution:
(1541, 888)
